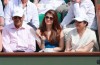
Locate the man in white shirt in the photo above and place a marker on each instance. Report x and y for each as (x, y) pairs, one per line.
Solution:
(30, 12)
(17, 36)
(1, 16)
(84, 8)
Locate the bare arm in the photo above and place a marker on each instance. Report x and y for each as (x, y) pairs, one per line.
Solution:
(86, 48)
(41, 39)
(61, 43)
(68, 45)
(1, 23)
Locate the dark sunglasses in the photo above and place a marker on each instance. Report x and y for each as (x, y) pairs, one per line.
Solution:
(47, 17)
(79, 22)
(16, 17)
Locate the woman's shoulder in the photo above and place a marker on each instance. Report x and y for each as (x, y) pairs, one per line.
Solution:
(90, 31)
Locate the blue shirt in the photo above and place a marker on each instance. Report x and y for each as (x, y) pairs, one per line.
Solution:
(50, 45)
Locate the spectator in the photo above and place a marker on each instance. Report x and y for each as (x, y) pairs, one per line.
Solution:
(17, 36)
(50, 33)
(1, 16)
(30, 11)
(45, 5)
(81, 39)
(84, 8)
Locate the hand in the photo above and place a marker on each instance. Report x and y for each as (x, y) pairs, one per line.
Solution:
(73, 50)
(41, 50)
(49, 50)
(43, 38)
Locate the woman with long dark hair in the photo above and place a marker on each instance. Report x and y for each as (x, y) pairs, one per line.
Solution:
(50, 33)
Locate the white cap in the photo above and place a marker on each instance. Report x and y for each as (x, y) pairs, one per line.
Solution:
(81, 19)
(18, 11)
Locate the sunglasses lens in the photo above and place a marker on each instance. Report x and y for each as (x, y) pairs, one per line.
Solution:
(16, 17)
(47, 17)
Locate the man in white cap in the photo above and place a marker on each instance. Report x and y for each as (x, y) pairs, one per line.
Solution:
(30, 11)
(17, 36)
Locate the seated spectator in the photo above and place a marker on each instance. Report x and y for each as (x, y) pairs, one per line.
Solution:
(81, 39)
(1, 16)
(17, 36)
(30, 12)
(45, 5)
(84, 8)
(50, 33)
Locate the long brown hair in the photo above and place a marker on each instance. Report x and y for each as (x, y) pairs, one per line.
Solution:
(56, 29)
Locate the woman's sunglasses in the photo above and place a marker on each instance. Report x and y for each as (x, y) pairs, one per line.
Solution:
(47, 17)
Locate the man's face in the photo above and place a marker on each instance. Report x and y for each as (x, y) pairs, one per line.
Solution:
(18, 21)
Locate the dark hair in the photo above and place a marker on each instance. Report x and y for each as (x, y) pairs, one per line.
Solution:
(86, 23)
(56, 29)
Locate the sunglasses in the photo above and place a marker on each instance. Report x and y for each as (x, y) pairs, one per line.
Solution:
(79, 22)
(16, 17)
(47, 17)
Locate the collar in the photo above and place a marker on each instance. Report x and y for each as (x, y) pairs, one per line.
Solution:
(20, 3)
(12, 26)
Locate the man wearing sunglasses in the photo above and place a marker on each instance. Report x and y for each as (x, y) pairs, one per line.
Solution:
(17, 36)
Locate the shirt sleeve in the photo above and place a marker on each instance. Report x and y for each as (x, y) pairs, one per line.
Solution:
(80, 10)
(6, 40)
(1, 9)
(7, 13)
(69, 16)
(35, 18)
(93, 36)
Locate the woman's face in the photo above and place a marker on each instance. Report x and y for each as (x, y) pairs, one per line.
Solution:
(80, 25)
(49, 19)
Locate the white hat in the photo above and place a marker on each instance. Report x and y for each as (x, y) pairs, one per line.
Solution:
(18, 11)
(81, 19)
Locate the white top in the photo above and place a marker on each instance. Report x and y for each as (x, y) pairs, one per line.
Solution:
(46, 5)
(86, 38)
(1, 9)
(84, 9)
(18, 39)
(30, 12)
